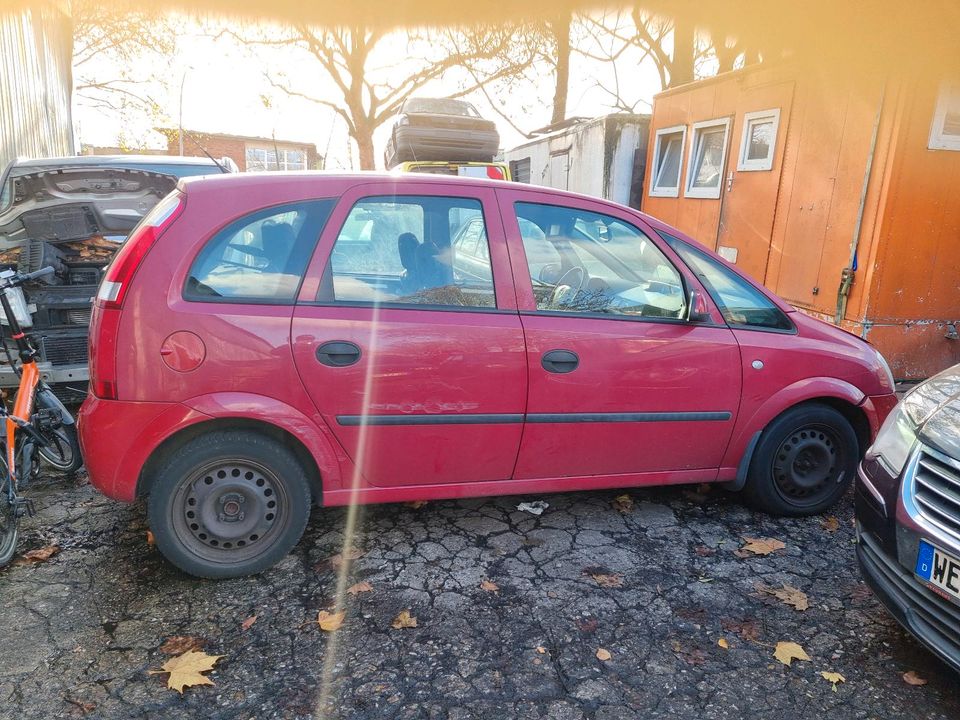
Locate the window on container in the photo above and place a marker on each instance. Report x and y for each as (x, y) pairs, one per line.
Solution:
(759, 140)
(411, 250)
(945, 130)
(708, 153)
(520, 170)
(668, 153)
(259, 258)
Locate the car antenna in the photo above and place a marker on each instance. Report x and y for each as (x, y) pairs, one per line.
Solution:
(204, 150)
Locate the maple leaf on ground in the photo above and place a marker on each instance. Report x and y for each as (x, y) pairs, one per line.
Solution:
(329, 621)
(830, 524)
(187, 670)
(248, 623)
(179, 644)
(489, 586)
(761, 546)
(404, 620)
(787, 652)
(41, 554)
(911, 678)
(603, 654)
(833, 677)
(787, 594)
(623, 503)
(360, 587)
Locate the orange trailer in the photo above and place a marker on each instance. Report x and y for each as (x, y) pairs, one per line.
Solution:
(838, 190)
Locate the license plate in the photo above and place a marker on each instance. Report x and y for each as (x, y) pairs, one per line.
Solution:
(939, 569)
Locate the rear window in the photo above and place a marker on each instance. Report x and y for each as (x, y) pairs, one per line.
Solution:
(259, 258)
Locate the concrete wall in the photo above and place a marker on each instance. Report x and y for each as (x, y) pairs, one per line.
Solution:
(36, 49)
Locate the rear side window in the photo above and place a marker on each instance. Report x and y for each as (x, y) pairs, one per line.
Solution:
(740, 302)
(411, 250)
(259, 258)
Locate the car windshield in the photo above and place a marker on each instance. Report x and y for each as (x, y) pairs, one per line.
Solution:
(440, 106)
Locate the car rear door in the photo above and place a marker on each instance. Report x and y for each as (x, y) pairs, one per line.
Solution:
(619, 382)
(419, 370)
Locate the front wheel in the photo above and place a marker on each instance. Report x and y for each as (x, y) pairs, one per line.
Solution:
(804, 462)
(229, 503)
(9, 520)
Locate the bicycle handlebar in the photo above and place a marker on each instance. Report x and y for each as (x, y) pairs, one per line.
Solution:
(20, 278)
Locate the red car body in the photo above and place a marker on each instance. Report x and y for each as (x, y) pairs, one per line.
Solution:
(461, 403)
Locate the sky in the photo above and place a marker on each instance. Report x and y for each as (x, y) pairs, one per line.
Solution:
(225, 88)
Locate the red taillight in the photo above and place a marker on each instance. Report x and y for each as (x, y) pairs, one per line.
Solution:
(495, 173)
(104, 326)
(115, 284)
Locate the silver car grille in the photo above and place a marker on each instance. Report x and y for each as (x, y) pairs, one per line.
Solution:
(936, 489)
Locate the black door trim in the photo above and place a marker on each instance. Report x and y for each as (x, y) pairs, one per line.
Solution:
(509, 418)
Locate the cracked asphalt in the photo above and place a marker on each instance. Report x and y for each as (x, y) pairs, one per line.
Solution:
(82, 630)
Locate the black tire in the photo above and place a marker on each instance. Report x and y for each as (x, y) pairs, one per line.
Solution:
(228, 504)
(62, 451)
(804, 462)
(9, 523)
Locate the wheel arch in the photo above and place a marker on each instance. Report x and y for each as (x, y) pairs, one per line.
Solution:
(174, 442)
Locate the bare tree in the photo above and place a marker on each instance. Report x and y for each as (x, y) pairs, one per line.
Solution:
(371, 71)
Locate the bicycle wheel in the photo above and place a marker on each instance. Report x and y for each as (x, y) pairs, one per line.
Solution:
(62, 451)
(9, 522)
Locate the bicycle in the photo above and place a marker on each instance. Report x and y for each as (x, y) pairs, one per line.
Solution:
(39, 426)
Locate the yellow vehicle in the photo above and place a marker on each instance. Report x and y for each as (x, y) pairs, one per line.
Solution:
(492, 170)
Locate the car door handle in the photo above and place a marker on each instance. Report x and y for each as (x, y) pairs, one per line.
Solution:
(560, 361)
(338, 354)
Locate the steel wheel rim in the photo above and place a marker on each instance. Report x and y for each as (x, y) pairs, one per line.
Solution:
(230, 510)
(808, 464)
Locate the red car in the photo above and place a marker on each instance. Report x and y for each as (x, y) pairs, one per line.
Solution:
(263, 342)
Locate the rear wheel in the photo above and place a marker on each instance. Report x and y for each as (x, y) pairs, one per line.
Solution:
(9, 522)
(62, 451)
(229, 503)
(804, 462)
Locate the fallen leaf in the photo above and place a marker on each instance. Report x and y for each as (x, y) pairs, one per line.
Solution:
(404, 620)
(911, 678)
(587, 626)
(541, 649)
(746, 629)
(489, 586)
(694, 656)
(604, 579)
(179, 644)
(832, 677)
(329, 621)
(787, 594)
(830, 524)
(360, 587)
(151, 541)
(85, 707)
(787, 652)
(761, 546)
(248, 623)
(186, 670)
(722, 642)
(623, 503)
(603, 655)
(415, 504)
(348, 555)
(41, 554)
(704, 551)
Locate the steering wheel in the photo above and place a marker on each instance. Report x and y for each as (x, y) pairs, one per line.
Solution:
(564, 293)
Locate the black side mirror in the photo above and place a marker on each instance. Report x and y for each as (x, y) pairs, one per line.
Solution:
(695, 311)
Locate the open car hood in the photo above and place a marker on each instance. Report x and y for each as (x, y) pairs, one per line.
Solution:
(69, 204)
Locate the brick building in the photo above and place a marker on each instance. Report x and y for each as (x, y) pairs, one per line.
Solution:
(250, 153)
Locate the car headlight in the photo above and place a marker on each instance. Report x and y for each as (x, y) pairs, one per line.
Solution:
(895, 440)
(887, 379)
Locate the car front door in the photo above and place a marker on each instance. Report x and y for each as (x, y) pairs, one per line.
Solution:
(418, 369)
(620, 381)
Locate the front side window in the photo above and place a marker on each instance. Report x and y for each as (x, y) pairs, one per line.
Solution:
(759, 140)
(740, 302)
(586, 262)
(260, 257)
(708, 151)
(412, 251)
(945, 129)
(668, 153)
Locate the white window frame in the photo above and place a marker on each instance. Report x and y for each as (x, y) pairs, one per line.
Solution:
(938, 140)
(673, 191)
(697, 128)
(749, 118)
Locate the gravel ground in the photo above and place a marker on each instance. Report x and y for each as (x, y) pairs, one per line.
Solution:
(657, 586)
